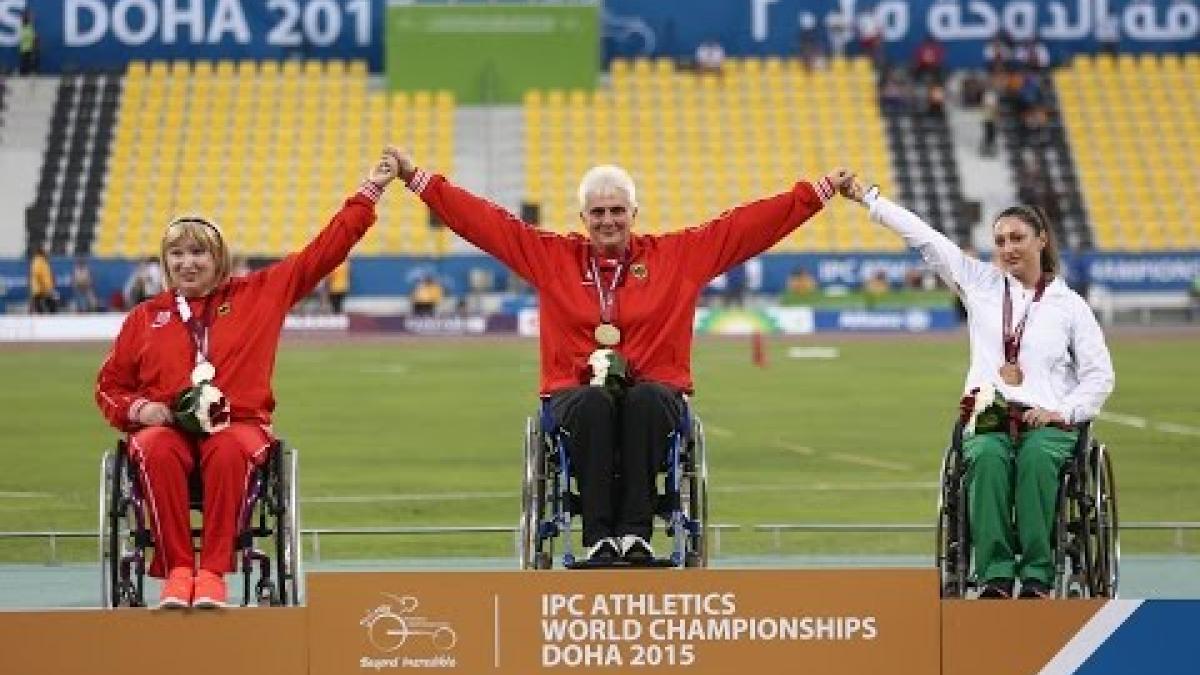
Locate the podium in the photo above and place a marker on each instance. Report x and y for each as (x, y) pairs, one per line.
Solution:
(698, 622)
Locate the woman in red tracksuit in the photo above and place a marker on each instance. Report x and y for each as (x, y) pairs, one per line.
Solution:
(633, 293)
(208, 326)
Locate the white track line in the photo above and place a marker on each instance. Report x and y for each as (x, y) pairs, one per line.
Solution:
(794, 447)
(23, 495)
(869, 461)
(1143, 423)
(467, 496)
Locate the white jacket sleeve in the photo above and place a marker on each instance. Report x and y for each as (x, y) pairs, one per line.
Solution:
(1093, 367)
(959, 270)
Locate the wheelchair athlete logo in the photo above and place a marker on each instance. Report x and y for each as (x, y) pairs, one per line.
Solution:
(389, 626)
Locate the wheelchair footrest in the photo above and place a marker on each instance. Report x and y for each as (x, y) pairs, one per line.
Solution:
(619, 564)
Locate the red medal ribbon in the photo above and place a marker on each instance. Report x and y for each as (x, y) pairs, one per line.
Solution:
(1012, 336)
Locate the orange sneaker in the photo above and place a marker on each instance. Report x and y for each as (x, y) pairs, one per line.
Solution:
(177, 589)
(210, 590)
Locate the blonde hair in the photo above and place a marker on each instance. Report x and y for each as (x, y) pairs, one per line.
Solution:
(605, 179)
(204, 232)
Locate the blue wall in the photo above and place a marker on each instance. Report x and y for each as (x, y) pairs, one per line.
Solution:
(394, 276)
(107, 33)
(763, 27)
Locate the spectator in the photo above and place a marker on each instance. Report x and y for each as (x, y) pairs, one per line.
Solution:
(929, 60)
(1195, 293)
(145, 282)
(426, 296)
(973, 86)
(870, 38)
(814, 52)
(935, 100)
(735, 286)
(841, 33)
(339, 286)
(1033, 55)
(801, 282)
(43, 296)
(710, 57)
(1108, 34)
(991, 114)
(27, 41)
(998, 52)
(84, 291)
(876, 287)
(897, 91)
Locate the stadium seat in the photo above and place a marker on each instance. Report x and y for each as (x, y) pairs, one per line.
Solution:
(745, 117)
(238, 130)
(1127, 119)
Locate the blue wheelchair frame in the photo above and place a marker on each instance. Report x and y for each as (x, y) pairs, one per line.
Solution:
(550, 505)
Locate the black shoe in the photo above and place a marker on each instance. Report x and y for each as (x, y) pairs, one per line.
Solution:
(1034, 589)
(635, 550)
(997, 589)
(604, 552)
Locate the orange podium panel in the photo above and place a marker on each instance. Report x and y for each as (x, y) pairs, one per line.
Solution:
(605, 621)
(104, 642)
(1008, 637)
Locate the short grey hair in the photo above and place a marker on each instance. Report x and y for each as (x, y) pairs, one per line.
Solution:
(604, 179)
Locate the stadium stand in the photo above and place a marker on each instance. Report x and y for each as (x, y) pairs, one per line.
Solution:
(269, 149)
(1042, 166)
(63, 214)
(697, 144)
(922, 151)
(1134, 129)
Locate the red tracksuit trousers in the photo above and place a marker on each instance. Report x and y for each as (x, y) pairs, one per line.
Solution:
(165, 458)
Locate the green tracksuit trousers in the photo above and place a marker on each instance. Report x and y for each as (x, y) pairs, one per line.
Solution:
(1007, 480)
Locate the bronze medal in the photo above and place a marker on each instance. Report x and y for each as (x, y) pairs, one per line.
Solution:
(1011, 374)
(607, 335)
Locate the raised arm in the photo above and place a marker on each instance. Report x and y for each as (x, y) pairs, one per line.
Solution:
(959, 270)
(747, 230)
(519, 245)
(298, 274)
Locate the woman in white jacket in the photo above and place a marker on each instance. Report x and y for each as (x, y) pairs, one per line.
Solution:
(1038, 344)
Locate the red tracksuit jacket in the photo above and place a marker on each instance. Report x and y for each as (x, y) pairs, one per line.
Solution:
(656, 301)
(153, 356)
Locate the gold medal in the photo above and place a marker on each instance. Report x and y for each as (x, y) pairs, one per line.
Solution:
(607, 335)
(1011, 374)
(203, 372)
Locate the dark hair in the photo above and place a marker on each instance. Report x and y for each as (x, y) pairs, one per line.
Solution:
(1036, 219)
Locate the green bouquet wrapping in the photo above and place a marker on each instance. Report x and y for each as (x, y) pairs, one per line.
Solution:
(610, 370)
(201, 409)
(985, 410)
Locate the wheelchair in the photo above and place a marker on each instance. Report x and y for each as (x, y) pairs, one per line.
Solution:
(269, 511)
(550, 497)
(1086, 542)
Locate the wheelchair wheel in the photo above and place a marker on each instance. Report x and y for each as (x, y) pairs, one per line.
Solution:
(1106, 561)
(1072, 536)
(535, 550)
(288, 563)
(695, 499)
(952, 538)
(122, 566)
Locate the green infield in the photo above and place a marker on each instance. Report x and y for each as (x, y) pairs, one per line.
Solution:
(429, 433)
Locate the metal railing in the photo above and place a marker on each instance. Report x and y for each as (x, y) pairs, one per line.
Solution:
(776, 530)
